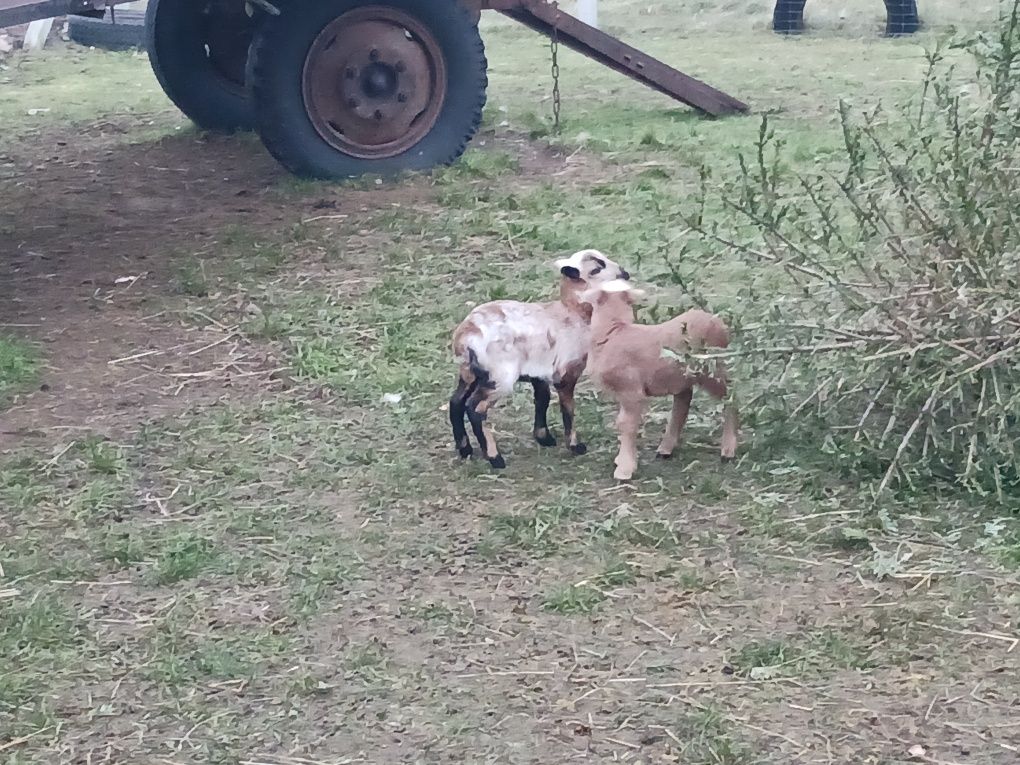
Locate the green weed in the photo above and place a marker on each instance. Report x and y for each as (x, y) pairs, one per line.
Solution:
(183, 556)
(18, 367)
(573, 599)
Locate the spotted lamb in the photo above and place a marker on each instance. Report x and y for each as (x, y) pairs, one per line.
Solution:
(505, 341)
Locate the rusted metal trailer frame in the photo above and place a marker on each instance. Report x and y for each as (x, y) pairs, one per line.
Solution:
(337, 88)
(13, 12)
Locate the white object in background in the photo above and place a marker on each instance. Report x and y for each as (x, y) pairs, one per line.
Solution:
(588, 12)
(37, 33)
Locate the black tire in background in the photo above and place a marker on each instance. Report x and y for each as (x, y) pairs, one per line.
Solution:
(901, 17)
(788, 16)
(276, 71)
(116, 30)
(198, 50)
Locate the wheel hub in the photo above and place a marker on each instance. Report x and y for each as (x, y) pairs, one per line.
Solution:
(374, 82)
(379, 81)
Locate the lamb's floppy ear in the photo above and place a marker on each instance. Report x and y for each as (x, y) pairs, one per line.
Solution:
(568, 270)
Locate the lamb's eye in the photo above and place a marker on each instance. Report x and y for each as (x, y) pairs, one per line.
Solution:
(596, 271)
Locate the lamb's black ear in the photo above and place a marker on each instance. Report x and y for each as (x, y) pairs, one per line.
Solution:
(571, 273)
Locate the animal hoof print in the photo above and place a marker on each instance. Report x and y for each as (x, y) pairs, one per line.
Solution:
(663, 456)
(546, 440)
(465, 452)
(579, 449)
(497, 462)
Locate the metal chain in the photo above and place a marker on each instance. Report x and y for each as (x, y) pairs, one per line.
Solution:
(554, 46)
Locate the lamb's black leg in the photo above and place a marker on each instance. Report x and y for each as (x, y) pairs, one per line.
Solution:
(565, 389)
(478, 405)
(542, 398)
(458, 414)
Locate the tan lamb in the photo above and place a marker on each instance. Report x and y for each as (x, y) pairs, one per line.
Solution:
(627, 362)
(506, 341)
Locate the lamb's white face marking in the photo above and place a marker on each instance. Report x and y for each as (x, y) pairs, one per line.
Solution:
(591, 294)
(617, 285)
(592, 267)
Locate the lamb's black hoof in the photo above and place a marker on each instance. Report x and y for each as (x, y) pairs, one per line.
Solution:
(465, 452)
(579, 449)
(661, 456)
(497, 462)
(725, 460)
(546, 440)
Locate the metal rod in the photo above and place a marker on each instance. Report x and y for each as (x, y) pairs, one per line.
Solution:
(548, 19)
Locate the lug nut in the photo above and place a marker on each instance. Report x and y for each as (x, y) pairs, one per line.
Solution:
(378, 114)
(373, 54)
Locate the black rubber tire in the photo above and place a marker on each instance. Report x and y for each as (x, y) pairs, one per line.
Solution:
(128, 32)
(182, 66)
(788, 16)
(275, 68)
(901, 18)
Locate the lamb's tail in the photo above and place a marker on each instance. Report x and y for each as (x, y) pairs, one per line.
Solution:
(714, 332)
(715, 385)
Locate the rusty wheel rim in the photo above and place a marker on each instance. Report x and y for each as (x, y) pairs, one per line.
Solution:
(374, 82)
(226, 32)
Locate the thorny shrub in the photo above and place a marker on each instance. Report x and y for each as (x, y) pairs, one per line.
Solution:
(893, 282)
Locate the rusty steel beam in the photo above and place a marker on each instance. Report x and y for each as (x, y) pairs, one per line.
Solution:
(546, 18)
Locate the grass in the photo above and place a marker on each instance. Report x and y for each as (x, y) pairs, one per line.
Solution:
(573, 600)
(73, 85)
(708, 738)
(299, 569)
(182, 557)
(19, 367)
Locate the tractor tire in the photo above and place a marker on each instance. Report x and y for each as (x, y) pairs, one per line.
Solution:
(901, 18)
(198, 50)
(344, 88)
(120, 30)
(788, 16)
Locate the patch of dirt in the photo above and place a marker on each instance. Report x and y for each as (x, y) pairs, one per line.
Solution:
(95, 239)
(636, 681)
(456, 657)
(93, 234)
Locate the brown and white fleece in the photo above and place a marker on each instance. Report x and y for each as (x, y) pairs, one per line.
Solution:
(502, 342)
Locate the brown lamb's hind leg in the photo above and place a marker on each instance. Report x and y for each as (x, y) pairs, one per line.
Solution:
(677, 421)
(731, 423)
(717, 386)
